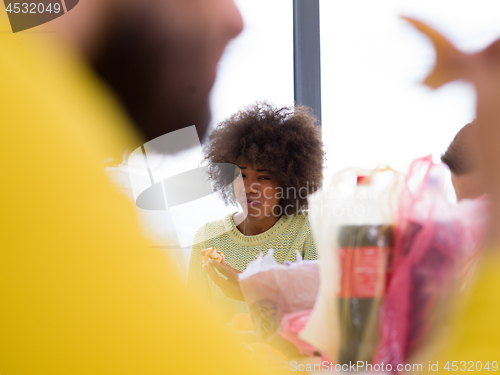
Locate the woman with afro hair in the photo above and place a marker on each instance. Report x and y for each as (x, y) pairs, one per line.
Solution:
(277, 157)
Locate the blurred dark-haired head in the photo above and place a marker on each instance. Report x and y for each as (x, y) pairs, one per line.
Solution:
(160, 59)
(461, 158)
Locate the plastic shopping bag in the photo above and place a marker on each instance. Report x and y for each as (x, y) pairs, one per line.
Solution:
(433, 240)
(352, 224)
(272, 290)
(291, 325)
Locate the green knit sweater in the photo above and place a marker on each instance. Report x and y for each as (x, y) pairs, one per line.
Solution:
(289, 234)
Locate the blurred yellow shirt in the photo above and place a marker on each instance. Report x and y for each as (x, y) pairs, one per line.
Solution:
(81, 291)
(475, 331)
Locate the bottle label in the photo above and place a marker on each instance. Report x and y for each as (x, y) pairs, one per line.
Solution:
(363, 271)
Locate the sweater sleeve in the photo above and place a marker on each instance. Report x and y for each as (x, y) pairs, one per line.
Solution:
(197, 278)
(309, 249)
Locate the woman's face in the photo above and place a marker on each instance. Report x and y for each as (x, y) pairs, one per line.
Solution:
(257, 191)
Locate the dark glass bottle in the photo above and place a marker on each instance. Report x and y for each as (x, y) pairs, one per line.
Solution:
(364, 252)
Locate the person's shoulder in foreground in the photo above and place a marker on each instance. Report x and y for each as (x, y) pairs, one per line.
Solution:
(473, 340)
(82, 291)
(476, 327)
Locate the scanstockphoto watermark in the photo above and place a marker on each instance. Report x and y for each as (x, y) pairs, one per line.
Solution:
(24, 15)
(359, 366)
(279, 192)
(304, 191)
(325, 210)
(337, 203)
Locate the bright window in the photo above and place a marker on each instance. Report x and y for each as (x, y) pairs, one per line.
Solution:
(374, 108)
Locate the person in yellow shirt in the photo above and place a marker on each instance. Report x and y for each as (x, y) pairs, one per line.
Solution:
(473, 341)
(82, 291)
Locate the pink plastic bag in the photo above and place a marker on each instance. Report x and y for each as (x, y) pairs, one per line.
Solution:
(291, 325)
(433, 240)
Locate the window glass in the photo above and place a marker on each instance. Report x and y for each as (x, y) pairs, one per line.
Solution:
(374, 108)
(258, 65)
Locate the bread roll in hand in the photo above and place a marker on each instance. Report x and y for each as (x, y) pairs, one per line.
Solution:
(211, 253)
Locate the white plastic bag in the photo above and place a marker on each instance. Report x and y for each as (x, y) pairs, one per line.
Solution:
(362, 204)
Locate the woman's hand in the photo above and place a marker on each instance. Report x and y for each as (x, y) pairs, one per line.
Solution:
(231, 286)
